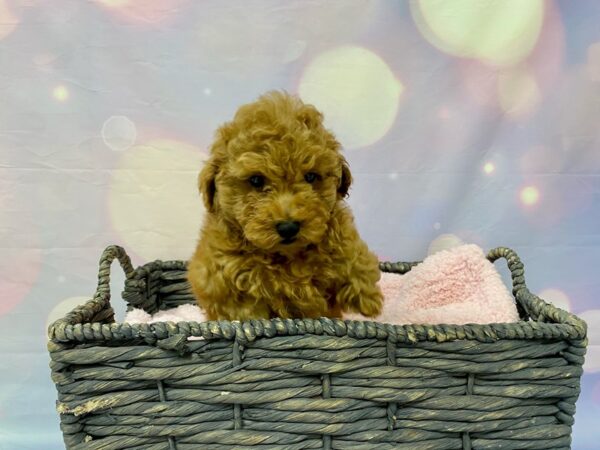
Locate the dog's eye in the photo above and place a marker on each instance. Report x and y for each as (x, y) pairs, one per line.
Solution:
(257, 181)
(311, 177)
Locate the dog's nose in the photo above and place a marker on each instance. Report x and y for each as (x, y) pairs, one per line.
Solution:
(288, 229)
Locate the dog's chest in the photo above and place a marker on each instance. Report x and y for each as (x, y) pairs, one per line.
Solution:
(299, 271)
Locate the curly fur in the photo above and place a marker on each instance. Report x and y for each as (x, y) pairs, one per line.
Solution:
(241, 268)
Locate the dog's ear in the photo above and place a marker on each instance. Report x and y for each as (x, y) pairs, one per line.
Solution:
(345, 179)
(208, 174)
(207, 185)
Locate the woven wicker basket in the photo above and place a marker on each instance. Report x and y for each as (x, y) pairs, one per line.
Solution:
(311, 384)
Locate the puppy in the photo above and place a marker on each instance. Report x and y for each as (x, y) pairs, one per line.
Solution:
(278, 240)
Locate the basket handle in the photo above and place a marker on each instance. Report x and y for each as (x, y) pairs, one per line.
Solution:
(109, 254)
(97, 309)
(530, 305)
(517, 271)
(517, 274)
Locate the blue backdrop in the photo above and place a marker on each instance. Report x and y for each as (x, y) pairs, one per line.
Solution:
(470, 120)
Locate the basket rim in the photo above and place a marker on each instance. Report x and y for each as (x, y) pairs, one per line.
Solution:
(93, 322)
(248, 331)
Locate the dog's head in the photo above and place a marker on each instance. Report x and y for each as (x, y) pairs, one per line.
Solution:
(275, 174)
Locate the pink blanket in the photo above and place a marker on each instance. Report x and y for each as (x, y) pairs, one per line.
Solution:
(455, 286)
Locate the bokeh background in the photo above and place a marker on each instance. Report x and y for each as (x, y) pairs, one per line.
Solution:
(465, 120)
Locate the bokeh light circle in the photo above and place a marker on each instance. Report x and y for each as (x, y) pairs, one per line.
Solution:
(557, 297)
(592, 357)
(499, 32)
(357, 92)
(154, 202)
(444, 242)
(489, 168)
(60, 93)
(529, 195)
(548, 200)
(119, 133)
(8, 21)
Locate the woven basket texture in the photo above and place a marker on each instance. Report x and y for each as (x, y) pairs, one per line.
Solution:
(311, 384)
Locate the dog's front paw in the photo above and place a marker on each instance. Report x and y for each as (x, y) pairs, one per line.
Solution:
(371, 304)
(368, 302)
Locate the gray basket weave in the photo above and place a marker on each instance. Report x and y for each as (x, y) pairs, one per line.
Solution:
(311, 384)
